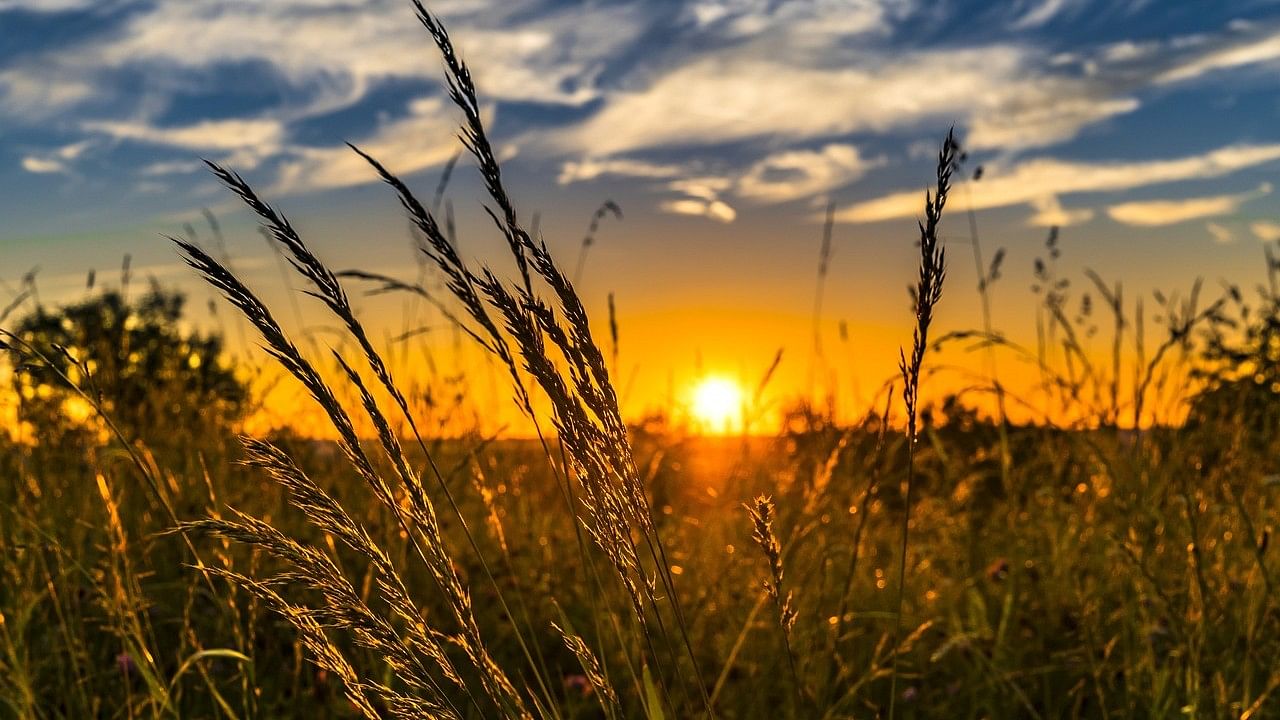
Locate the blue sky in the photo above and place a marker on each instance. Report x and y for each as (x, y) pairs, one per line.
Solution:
(1147, 129)
(1076, 107)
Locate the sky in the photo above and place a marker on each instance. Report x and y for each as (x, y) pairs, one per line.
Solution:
(1146, 130)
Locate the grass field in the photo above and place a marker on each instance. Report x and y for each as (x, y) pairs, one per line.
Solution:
(929, 561)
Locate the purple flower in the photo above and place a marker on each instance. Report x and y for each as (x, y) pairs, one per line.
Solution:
(580, 683)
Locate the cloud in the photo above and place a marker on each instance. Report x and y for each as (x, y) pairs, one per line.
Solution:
(713, 209)
(749, 18)
(1168, 212)
(732, 97)
(1041, 13)
(172, 167)
(251, 138)
(39, 91)
(41, 166)
(1037, 116)
(803, 173)
(320, 56)
(46, 6)
(1265, 230)
(704, 188)
(592, 168)
(243, 144)
(778, 177)
(701, 198)
(1032, 181)
(1241, 52)
(787, 92)
(57, 161)
(1050, 213)
(1220, 234)
(337, 51)
(424, 138)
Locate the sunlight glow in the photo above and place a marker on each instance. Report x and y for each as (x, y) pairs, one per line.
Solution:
(717, 405)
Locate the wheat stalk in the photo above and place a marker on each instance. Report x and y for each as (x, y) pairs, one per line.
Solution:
(928, 291)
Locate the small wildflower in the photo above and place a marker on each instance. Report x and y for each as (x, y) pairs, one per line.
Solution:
(579, 684)
(998, 570)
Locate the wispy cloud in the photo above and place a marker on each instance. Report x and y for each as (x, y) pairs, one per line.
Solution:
(1265, 230)
(337, 51)
(1220, 233)
(424, 138)
(1034, 181)
(744, 95)
(776, 101)
(804, 173)
(44, 5)
(242, 143)
(42, 165)
(592, 168)
(813, 18)
(1235, 52)
(712, 209)
(37, 91)
(1041, 12)
(56, 161)
(1169, 212)
(171, 167)
(1051, 213)
(262, 135)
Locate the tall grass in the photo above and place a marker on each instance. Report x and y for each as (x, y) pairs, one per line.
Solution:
(927, 293)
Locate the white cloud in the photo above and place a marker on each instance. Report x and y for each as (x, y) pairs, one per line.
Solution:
(239, 143)
(592, 168)
(338, 50)
(1034, 180)
(57, 161)
(1248, 51)
(172, 167)
(264, 135)
(734, 96)
(803, 173)
(1265, 230)
(1050, 213)
(42, 166)
(1220, 234)
(802, 75)
(704, 188)
(1169, 212)
(424, 138)
(713, 209)
(1041, 14)
(47, 6)
(38, 91)
(748, 18)
(1053, 111)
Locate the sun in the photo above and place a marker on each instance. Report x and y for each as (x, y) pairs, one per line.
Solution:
(717, 404)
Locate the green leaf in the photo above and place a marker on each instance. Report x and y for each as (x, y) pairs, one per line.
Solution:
(653, 699)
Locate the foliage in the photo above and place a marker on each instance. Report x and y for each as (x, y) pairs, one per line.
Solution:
(132, 357)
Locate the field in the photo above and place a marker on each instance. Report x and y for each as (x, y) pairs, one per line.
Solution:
(933, 559)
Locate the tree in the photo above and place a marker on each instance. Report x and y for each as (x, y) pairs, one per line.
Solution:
(152, 378)
(1240, 368)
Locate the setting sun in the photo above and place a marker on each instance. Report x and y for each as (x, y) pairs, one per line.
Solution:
(717, 404)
